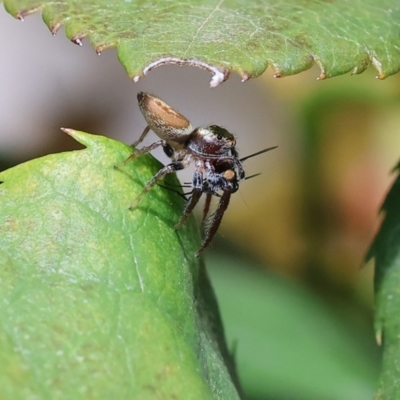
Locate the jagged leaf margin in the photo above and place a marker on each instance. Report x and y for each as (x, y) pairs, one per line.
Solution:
(233, 35)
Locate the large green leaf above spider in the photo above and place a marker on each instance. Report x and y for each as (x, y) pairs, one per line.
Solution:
(233, 35)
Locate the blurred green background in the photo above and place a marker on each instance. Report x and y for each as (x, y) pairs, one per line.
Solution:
(287, 266)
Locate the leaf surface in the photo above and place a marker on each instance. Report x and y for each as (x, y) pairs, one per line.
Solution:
(233, 35)
(99, 301)
(290, 344)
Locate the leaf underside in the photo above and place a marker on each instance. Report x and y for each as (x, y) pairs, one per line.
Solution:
(386, 251)
(99, 301)
(233, 35)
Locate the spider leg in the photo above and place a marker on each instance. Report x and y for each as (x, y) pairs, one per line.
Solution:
(142, 136)
(142, 151)
(183, 195)
(207, 206)
(214, 220)
(197, 184)
(173, 167)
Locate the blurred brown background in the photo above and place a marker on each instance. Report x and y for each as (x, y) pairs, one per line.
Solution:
(303, 226)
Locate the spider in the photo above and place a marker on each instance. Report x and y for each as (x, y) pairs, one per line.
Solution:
(211, 149)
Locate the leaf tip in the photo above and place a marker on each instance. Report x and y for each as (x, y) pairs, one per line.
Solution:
(54, 28)
(68, 131)
(81, 137)
(24, 13)
(104, 46)
(245, 77)
(318, 62)
(378, 66)
(77, 39)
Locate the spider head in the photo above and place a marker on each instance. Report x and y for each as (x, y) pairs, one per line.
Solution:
(213, 142)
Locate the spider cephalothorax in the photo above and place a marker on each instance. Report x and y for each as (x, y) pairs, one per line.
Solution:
(212, 142)
(210, 148)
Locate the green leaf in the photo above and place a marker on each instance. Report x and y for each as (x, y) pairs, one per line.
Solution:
(290, 344)
(386, 250)
(99, 301)
(243, 36)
